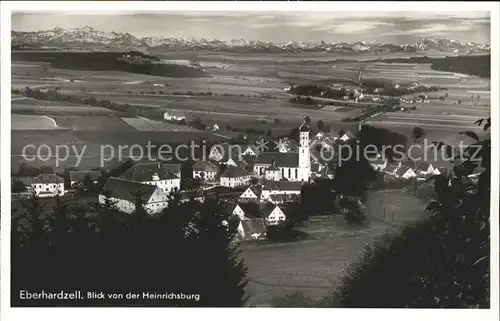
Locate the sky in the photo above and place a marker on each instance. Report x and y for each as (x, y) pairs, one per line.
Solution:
(346, 26)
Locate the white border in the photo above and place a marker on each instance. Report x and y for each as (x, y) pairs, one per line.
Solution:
(134, 314)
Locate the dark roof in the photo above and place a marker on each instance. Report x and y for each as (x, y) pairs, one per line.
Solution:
(402, 170)
(424, 166)
(289, 186)
(249, 159)
(127, 190)
(234, 171)
(280, 159)
(378, 161)
(408, 163)
(79, 176)
(277, 198)
(256, 190)
(272, 168)
(145, 172)
(254, 226)
(174, 168)
(229, 151)
(391, 169)
(47, 179)
(270, 186)
(205, 166)
(267, 210)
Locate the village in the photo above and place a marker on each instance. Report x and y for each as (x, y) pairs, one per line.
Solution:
(257, 183)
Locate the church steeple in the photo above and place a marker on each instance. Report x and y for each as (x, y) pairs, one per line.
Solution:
(304, 127)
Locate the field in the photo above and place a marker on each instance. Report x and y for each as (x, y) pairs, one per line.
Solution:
(313, 267)
(144, 124)
(32, 122)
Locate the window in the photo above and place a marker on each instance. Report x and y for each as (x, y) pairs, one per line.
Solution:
(289, 172)
(296, 173)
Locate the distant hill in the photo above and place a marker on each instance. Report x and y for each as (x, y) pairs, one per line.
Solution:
(90, 38)
(132, 61)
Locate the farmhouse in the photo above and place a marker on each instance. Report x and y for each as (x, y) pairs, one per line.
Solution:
(346, 136)
(405, 172)
(153, 174)
(223, 152)
(274, 215)
(237, 161)
(124, 194)
(251, 194)
(205, 170)
(284, 188)
(425, 168)
(48, 185)
(252, 228)
(234, 177)
(78, 177)
(291, 166)
(174, 115)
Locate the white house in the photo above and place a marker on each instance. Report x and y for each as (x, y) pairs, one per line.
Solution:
(235, 177)
(250, 150)
(292, 166)
(124, 194)
(251, 228)
(379, 164)
(425, 168)
(76, 177)
(405, 172)
(223, 152)
(274, 216)
(251, 194)
(205, 170)
(238, 211)
(346, 136)
(174, 115)
(48, 185)
(153, 174)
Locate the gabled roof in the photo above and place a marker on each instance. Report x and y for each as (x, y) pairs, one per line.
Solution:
(205, 166)
(249, 159)
(267, 210)
(145, 172)
(229, 151)
(255, 226)
(402, 170)
(47, 179)
(256, 190)
(280, 159)
(234, 171)
(79, 176)
(391, 169)
(272, 168)
(127, 190)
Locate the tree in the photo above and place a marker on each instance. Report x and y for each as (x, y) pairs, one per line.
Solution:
(162, 252)
(440, 261)
(18, 186)
(417, 133)
(269, 133)
(228, 126)
(321, 125)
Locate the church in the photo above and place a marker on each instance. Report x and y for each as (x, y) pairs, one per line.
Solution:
(295, 167)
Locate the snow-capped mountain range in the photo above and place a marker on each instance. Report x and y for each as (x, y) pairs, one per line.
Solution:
(88, 36)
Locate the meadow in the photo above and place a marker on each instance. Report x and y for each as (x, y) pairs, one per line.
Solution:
(313, 267)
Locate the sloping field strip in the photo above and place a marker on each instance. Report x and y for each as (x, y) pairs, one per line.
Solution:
(32, 122)
(145, 124)
(96, 123)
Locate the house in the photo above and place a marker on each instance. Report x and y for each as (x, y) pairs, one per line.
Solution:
(287, 189)
(214, 127)
(286, 145)
(292, 166)
(79, 176)
(272, 173)
(379, 164)
(276, 199)
(274, 215)
(251, 228)
(206, 170)
(250, 150)
(174, 115)
(153, 174)
(425, 168)
(234, 177)
(223, 152)
(251, 194)
(237, 161)
(173, 168)
(405, 172)
(391, 170)
(48, 185)
(346, 136)
(124, 194)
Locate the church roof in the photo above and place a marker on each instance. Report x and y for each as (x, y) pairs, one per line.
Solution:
(280, 159)
(304, 127)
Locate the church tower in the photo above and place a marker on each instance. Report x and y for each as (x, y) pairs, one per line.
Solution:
(304, 157)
